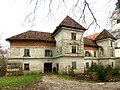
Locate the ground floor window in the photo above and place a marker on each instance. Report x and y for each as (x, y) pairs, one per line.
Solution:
(87, 64)
(26, 66)
(112, 64)
(73, 65)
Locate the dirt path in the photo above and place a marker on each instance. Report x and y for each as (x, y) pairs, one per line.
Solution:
(56, 83)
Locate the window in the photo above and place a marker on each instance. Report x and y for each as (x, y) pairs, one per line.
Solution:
(48, 53)
(87, 64)
(73, 65)
(94, 53)
(27, 52)
(118, 21)
(112, 64)
(73, 36)
(101, 52)
(26, 66)
(87, 54)
(73, 49)
(111, 44)
(112, 54)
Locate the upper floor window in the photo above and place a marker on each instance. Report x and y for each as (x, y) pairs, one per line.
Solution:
(27, 52)
(111, 44)
(112, 53)
(87, 54)
(48, 53)
(73, 65)
(101, 52)
(73, 36)
(73, 49)
(118, 21)
(94, 53)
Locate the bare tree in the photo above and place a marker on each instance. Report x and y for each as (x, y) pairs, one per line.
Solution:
(79, 8)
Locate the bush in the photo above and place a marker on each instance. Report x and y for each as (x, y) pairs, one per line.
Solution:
(3, 68)
(103, 72)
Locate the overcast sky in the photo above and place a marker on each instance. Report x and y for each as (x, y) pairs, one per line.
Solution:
(13, 12)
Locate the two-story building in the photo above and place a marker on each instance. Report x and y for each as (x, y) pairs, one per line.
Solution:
(64, 49)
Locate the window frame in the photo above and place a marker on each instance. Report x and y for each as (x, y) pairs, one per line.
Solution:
(26, 52)
(48, 53)
(26, 66)
(74, 49)
(95, 54)
(87, 65)
(73, 36)
(74, 65)
(118, 21)
(87, 54)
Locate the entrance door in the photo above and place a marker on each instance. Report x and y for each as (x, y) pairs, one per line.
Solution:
(47, 67)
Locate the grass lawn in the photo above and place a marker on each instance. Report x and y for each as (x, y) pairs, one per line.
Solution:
(18, 80)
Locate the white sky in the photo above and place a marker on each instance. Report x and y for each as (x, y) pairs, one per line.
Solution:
(13, 12)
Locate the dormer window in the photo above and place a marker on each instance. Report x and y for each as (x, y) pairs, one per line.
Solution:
(73, 36)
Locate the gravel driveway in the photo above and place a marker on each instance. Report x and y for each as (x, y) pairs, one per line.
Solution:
(57, 83)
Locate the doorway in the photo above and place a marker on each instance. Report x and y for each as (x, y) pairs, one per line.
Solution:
(47, 67)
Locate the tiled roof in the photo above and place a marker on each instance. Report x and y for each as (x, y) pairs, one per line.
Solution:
(89, 42)
(93, 36)
(70, 23)
(33, 35)
(104, 34)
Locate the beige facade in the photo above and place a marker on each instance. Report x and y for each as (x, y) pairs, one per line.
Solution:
(63, 50)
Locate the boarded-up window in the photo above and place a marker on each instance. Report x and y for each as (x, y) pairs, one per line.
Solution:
(73, 65)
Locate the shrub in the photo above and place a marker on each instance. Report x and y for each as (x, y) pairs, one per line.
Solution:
(103, 73)
(3, 67)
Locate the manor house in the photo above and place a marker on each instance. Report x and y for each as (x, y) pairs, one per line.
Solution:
(64, 49)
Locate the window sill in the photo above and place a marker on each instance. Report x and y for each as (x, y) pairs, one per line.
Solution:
(26, 56)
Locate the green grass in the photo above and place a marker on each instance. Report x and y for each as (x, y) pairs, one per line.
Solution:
(18, 80)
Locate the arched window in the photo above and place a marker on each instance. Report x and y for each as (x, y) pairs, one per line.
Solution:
(87, 54)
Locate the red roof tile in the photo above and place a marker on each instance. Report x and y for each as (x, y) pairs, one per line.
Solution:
(93, 36)
(33, 35)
